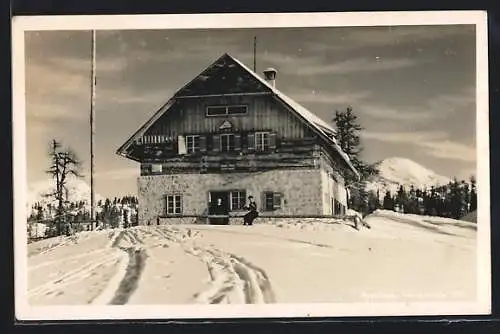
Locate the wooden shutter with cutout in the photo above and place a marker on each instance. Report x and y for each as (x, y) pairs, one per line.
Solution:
(203, 144)
(277, 201)
(237, 142)
(251, 142)
(272, 141)
(216, 143)
(181, 145)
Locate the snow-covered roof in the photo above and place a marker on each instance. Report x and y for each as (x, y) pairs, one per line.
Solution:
(322, 126)
(311, 117)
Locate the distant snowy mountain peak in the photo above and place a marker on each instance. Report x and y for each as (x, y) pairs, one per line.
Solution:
(398, 171)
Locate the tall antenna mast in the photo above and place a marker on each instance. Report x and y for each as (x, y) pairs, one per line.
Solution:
(255, 54)
(92, 129)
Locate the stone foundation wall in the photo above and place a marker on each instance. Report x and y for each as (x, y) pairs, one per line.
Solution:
(237, 220)
(301, 189)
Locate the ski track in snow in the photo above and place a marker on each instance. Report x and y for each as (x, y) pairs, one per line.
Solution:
(124, 282)
(233, 279)
(120, 287)
(72, 276)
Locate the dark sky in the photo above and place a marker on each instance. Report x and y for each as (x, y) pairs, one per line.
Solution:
(412, 87)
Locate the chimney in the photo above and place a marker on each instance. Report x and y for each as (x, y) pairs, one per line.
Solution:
(270, 76)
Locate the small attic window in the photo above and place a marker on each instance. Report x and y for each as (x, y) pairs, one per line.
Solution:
(226, 110)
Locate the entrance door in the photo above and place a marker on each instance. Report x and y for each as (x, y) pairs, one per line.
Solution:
(214, 209)
(213, 196)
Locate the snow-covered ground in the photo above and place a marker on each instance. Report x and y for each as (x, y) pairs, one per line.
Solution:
(400, 258)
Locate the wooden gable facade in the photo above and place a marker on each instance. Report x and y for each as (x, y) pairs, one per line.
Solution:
(229, 120)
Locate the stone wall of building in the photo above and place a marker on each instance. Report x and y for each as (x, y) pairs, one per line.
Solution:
(332, 185)
(301, 190)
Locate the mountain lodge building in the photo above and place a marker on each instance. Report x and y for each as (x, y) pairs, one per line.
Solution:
(230, 134)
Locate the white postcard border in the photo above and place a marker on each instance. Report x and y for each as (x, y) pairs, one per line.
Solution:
(215, 21)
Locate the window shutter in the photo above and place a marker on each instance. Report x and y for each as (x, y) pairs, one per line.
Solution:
(277, 201)
(203, 143)
(272, 141)
(181, 142)
(203, 164)
(251, 142)
(216, 143)
(237, 142)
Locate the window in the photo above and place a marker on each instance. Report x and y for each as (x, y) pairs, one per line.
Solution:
(174, 204)
(156, 168)
(272, 201)
(216, 111)
(226, 110)
(192, 143)
(238, 199)
(262, 141)
(227, 142)
(340, 209)
(236, 110)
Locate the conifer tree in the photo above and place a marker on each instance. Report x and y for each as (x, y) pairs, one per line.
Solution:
(388, 201)
(373, 202)
(348, 138)
(473, 194)
(64, 163)
(125, 219)
(401, 199)
(453, 199)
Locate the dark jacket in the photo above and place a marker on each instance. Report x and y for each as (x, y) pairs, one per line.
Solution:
(252, 206)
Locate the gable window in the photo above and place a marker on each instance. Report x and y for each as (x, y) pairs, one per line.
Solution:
(236, 110)
(226, 110)
(237, 199)
(227, 143)
(261, 141)
(174, 204)
(192, 143)
(272, 201)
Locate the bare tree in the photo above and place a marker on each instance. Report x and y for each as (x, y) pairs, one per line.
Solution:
(64, 162)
